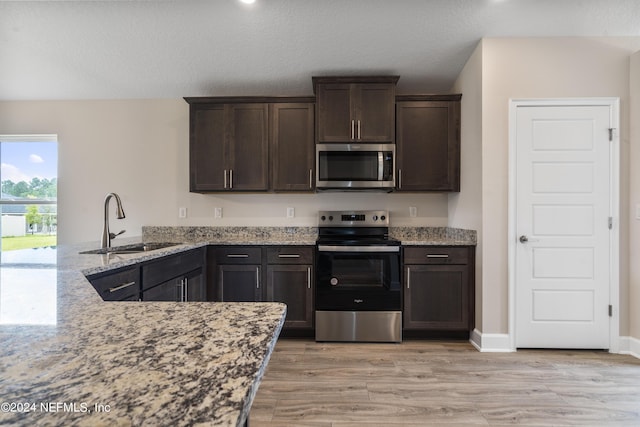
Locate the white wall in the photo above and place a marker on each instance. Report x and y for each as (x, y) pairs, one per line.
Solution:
(542, 68)
(634, 202)
(139, 149)
(465, 208)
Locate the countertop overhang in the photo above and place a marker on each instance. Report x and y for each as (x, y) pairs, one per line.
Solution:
(69, 358)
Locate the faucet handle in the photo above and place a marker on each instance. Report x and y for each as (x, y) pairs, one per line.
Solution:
(114, 235)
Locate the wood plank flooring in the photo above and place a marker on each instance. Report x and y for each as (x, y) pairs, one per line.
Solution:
(420, 383)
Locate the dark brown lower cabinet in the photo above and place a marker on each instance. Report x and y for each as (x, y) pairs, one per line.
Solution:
(290, 280)
(239, 283)
(178, 277)
(119, 285)
(439, 288)
(265, 273)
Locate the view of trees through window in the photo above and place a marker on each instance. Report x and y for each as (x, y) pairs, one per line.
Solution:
(29, 184)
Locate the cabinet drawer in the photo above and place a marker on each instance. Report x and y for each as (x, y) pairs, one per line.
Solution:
(436, 255)
(171, 266)
(117, 286)
(239, 255)
(290, 255)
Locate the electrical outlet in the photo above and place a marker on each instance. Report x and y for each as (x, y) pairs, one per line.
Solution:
(182, 212)
(291, 212)
(413, 211)
(217, 212)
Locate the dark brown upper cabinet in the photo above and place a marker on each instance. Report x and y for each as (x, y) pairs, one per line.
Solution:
(292, 146)
(228, 147)
(251, 144)
(355, 109)
(428, 143)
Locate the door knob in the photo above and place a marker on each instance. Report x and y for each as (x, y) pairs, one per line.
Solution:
(524, 239)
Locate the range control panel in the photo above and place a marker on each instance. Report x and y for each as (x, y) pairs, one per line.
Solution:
(353, 218)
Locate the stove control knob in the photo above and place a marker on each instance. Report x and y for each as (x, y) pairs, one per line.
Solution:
(383, 217)
(375, 217)
(323, 217)
(330, 217)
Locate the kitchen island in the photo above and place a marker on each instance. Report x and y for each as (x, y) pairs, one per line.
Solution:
(69, 358)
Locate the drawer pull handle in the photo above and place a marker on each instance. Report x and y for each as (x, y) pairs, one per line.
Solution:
(437, 256)
(124, 285)
(288, 255)
(237, 256)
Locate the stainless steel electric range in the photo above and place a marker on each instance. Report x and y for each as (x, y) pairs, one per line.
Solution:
(358, 290)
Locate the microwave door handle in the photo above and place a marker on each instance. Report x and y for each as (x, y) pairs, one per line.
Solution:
(380, 165)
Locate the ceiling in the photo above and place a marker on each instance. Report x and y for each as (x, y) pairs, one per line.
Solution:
(171, 49)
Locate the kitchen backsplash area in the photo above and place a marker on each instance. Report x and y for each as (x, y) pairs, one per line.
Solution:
(299, 235)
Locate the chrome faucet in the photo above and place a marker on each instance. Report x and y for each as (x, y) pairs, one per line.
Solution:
(107, 236)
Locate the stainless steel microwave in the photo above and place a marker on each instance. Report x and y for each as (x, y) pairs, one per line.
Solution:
(355, 166)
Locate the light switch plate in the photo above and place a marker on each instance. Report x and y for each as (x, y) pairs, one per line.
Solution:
(182, 212)
(638, 211)
(413, 211)
(217, 212)
(291, 212)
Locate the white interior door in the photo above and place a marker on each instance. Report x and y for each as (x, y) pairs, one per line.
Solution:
(562, 224)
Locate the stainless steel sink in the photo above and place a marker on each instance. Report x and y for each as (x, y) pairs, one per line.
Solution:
(131, 249)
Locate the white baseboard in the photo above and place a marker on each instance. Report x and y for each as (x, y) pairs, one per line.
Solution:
(630, 345)
(500, 343)
(490, 343)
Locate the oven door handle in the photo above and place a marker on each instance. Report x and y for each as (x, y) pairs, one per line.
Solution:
(336, 248)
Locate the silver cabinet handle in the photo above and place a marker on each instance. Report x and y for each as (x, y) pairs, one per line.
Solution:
(353, 129)
(399, 178)
(185, 286)
(408, 278)
(308, 277)
(124, 285)
(310, 178)
(237, 256)
(437, 256)
(225, 178)
(231, 178)
(288, 255)
(257, 277)
(359, 129)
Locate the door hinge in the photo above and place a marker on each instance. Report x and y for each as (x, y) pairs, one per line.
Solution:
(610, 310)
(611, 133)
(610, 222)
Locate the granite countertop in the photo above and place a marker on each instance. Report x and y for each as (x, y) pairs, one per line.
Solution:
(409, 236)
(69, 358)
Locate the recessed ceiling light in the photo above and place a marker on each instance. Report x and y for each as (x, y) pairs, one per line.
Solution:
(248, 1)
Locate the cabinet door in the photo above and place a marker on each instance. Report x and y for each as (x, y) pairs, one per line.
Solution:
(374, 112)
(206, 148)
(292, 285)
(194, 286)
(170, 290)
(292, 146)
(248, 156)
(239, 283)
(428, 146)
(436, 297)
(334, 122)
(119, 285)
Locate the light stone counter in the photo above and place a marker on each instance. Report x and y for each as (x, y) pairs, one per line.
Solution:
(69, 358)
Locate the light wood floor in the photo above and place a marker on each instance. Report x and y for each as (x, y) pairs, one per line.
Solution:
(420, 383)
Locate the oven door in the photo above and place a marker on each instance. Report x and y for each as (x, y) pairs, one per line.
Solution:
(358, 278)
(345, 166)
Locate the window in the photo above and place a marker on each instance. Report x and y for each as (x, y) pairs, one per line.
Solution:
(29, 184)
